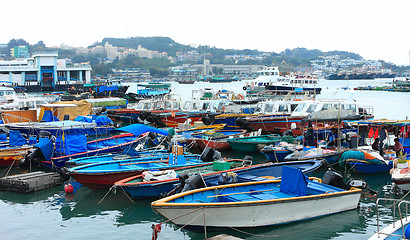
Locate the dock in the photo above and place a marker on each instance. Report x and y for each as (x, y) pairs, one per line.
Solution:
(30, 182)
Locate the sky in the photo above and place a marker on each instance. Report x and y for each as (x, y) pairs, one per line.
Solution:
(377, 30)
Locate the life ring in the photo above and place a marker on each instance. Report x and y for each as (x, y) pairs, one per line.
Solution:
(240, 97)
(244, 88)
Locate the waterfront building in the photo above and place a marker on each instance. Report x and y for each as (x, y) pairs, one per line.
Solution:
(44, 72)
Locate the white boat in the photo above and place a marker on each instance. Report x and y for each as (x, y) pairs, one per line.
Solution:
(401, 177)
(398, 229)
(265, 77)
(253, 204)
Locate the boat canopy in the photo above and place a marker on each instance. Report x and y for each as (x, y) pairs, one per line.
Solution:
(71, 108)
(138, 129)
(46, 147)
(293, 181)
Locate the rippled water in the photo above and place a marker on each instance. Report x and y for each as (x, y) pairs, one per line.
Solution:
(49, 214)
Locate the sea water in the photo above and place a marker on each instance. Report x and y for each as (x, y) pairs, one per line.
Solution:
(98, 214)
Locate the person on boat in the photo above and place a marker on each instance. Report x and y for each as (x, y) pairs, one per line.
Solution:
(398, 148)
(332, 140)
(375, 145)
(310, 136)
(382, 136)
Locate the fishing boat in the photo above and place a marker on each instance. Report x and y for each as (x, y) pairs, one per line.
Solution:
(75, 146)
(256, 204)
(252, 143)
(139, 187)
(401, 177)
(278, 152)
(399, 227)
(365, 161)
(330, 156)
(214, 139)
(105, 174)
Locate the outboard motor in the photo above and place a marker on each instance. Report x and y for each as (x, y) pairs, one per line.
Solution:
(209, 155)
(35, 157)
(143, 115)
(183, 176)
(64, 174)
(334, 179)
(247, 161)
(45, 134)
(155, 119)
(208, 120)
(227, 178)
(242, 123)
(194, 182)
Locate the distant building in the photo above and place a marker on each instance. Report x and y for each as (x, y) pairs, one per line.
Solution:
(44, 72)
(19, 51)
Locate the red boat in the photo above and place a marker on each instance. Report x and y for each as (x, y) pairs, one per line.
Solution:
(216, 140)
(276, 124)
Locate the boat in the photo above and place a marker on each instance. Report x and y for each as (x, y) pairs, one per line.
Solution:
(399, 227)
(329, 156)
(214, 139)
(105, 174)
(252, 143)
(255, 204)
(73, 146)
(401, 177)
(278, 152)
(139, 187)
(365, 161)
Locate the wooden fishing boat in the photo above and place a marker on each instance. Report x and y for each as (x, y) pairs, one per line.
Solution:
(76, 146)
(329, 156)
(11, 156)
(255, 204)
(253, 143)
(214, 139)
(280, 151)
(138, 187)
(105, 174)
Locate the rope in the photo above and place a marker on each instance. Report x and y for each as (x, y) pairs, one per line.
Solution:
(109, 190)
(8, 169)
(203, 212)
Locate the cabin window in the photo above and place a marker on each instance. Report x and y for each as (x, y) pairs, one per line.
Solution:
(268, 108)
(311, 108)
(300, 107)
(293, 107)
(283, 108)
(325, 107)
(176, 105)
(186, 105)
(205, 106)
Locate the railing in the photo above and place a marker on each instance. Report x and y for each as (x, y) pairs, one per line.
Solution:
(395, 201)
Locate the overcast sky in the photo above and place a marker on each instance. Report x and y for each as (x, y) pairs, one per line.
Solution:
(372, 28)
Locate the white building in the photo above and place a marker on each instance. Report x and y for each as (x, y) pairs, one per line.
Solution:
(43, 72)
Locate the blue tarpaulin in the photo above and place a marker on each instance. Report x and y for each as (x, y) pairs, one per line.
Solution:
(46, 147)
(68, 144)
(138, 129)
(49, 117)
(293, 181)
(15, 138)
(103, 121)
(83, 119)
(3, 137)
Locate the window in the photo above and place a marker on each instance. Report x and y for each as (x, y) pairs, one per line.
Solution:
(283, 108)
(311, 108)
(268, 108)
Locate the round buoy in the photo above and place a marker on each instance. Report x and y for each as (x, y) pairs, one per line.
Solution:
(68, 188)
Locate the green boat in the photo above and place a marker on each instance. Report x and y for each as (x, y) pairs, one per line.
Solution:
(253, 143)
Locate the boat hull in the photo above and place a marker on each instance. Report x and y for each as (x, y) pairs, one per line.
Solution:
(276, 124)
(401, 178)
(259, 213)
(361, 167)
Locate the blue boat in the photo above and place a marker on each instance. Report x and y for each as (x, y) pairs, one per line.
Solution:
(327, 155)
(137, 188)
(254, 204)
(74, 146)
(278, 152)
(105, 174)
(365, 162)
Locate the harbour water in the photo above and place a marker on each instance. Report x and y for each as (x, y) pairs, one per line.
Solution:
(50, 214)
